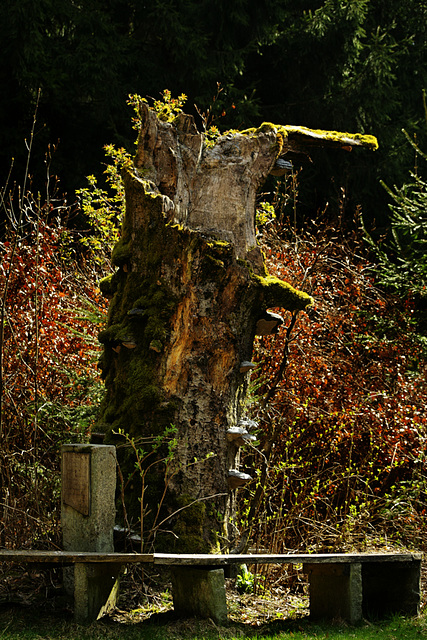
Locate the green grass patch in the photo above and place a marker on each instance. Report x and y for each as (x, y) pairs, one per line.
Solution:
(23, 624)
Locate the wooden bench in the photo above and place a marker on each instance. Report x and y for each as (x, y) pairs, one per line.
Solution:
(341, 585)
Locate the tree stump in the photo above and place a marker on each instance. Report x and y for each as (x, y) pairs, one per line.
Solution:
(188, 292)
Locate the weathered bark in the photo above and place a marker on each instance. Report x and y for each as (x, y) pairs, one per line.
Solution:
(189, 289)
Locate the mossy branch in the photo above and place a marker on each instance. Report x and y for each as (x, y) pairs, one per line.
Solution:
(278, 293)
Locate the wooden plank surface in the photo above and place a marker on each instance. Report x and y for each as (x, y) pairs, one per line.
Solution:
(65, 557)
(76, 481)
(183, 559)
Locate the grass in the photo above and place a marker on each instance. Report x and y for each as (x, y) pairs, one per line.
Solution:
(34, 624)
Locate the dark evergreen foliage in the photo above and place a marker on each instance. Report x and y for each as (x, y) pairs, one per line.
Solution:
(352, 65)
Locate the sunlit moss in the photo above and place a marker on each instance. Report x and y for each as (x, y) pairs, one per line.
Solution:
(338, 137)
(278, 293)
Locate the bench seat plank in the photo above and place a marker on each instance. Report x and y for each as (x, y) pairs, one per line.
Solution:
(293, 558)
(67, 557)
(201, 559)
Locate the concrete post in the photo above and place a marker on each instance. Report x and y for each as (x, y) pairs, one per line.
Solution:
(88, 497)
(335, 591)
(200, 592)
(391, 588)
(96, 588)
(88, 517)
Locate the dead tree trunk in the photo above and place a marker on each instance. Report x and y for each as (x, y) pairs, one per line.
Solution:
(189, 290)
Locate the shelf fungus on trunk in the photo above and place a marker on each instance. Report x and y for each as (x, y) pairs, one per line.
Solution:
(239, 436)
(189, 290)
(237, 478)
(246, 366)
(129, 343)
(268, 323)
(281, 167)
(248, 424)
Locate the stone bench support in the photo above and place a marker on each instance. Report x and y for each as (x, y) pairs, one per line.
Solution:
(199, 592)
(335, 591)
(390, 588)
(96, 588)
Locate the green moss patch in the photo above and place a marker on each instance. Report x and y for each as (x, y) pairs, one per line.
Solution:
(190, 526)
(320, 135)
(278, 293)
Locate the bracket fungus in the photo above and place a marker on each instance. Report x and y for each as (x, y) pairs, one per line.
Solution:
(237, 478)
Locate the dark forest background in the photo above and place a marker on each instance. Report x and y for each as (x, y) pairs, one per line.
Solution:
(354, 65)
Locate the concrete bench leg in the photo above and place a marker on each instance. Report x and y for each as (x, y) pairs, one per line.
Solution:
(392, 587)
(96, 588)
(335, 591)
(199, 592)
